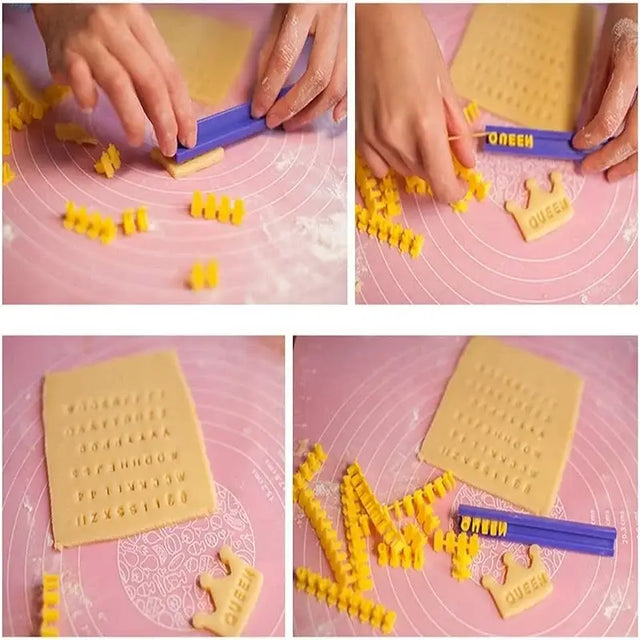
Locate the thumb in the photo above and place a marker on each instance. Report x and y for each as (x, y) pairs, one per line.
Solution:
(457, 126)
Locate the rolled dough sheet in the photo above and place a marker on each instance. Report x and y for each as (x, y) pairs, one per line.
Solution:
(527, 63)
(210, 53)
(505, 423)
(124, 449)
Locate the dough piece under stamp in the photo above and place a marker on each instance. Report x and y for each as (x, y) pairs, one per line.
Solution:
(185, 169)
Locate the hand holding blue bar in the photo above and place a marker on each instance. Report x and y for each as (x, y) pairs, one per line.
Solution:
(538, 143)
(224, 128)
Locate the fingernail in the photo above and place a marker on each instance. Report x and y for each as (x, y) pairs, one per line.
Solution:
(341, 114)
(189, 140)
(273, 121)
(87, 110)
(257, 110)
(169, 146)
(581, 139)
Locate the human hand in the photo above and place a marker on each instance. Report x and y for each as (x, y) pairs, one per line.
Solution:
(118, 47)
(612, 100)
(406, 106)
(323, 85)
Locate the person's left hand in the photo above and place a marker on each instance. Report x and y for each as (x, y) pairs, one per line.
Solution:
(612, 100)
(118, 47)
(323, 85)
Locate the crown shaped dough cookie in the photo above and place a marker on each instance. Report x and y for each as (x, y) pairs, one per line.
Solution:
(233, 596)
(523, 586)
(545, 210)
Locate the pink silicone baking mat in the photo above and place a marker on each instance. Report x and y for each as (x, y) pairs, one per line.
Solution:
(480, 257)
(146, 584)
(372, 399)
(291, 247)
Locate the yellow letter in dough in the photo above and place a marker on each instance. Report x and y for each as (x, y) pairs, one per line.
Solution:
(124, 449)
(505, 423)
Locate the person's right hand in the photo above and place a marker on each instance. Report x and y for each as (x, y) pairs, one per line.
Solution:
(323, 86)
(611, 112)
(406, 106)
(119, 48)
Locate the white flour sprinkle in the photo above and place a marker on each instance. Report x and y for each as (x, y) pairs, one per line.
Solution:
(625, 35)
(327, 238)
(28, 507)
(285, 161)
(630, 233)
(329, 489)
(614, 605)
(8, 234)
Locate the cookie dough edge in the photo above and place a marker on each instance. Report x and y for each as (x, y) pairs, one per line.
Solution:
(213, 507)
(185, 169)
(45, 387)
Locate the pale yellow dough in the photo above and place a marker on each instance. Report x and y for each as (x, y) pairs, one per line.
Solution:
(523, 587)
(234, 597)
(545, 212)
(505, 423)
(185, 169)
(73, 132)
(527, 63)
(124, 449)
(209, 52)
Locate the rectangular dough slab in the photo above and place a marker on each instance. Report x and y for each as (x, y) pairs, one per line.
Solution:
(527, 63)
(124, 449)
(505, 423)
(210, 53)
